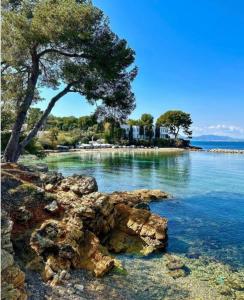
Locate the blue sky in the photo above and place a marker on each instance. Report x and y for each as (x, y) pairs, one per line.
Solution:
(190, 56)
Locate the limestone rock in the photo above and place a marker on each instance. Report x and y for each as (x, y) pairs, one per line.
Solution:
(60, 223)
(12, 278)
(137, 230)
(135, 197)
(52, 207)
(80, 185)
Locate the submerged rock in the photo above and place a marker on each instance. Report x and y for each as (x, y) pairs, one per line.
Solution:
(175, 266)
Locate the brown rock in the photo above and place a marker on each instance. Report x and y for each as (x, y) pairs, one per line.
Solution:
(135, 197)
(80, 185)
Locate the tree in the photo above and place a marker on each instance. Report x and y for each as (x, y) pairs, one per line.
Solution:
(87, 121)
(64, 45)
(133, 122)
(146, 120)
(53, 135)
(131, 135)
(176, 120)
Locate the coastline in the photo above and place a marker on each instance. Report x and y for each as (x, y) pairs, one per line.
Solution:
(225, 151)
(117, 150)
(144, 150)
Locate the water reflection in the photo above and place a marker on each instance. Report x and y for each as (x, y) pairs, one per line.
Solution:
(206, 216)
(120, 171)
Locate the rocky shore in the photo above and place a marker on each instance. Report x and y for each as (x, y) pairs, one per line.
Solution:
(231, 151)
(52, 225)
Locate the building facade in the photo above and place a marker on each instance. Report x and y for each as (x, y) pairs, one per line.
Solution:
(140, 132)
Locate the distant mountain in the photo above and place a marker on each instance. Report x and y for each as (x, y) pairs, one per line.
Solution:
(215, 138)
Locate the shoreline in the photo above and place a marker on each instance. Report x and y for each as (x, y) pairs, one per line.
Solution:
(218, 150)
(144, 150)
(117, 150)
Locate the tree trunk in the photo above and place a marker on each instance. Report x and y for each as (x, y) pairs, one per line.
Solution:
(176, 133)
(43, 118)
(13, 149)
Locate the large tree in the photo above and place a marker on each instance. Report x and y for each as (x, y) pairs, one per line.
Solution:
(146, 120)
(65, 45)
(176, 120)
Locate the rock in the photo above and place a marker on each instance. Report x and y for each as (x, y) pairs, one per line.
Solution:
(137, 230)
(49, 187)
(177, 273)
(73, 226)
(79, 287)
(175, 265)
(133, 198)
(51, 178)
(23, 215)
(52, 207)
(80, 185)
(7, 259)
(142, 205)
(41, 167)
(12, 278)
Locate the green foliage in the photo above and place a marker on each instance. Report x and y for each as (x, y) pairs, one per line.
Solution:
(176, 120)
(68, 138)
(133, 122)
(146, 120)
(34, 114)
(49, 139)
(7, 119)
(65, 45)
(112, 132)
(87, 121)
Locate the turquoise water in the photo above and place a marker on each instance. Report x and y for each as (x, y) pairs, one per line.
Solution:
(206, 215)
(218, 145)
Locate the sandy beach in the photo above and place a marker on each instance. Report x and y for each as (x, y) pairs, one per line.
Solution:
(118, 150)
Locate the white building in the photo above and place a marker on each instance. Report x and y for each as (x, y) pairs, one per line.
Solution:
(139, 133)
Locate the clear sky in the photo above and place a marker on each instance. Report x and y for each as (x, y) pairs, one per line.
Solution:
(190, 56)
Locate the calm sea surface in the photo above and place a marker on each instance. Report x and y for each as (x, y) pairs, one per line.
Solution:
(206, 216)
(218, 145)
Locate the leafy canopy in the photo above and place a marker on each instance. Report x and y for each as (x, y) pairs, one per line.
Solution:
(176, 120)
(72, 44)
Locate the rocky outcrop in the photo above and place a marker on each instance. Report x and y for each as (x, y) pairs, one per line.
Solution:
(12, 278)
(61, 223)
(135, 197)
(137, 230)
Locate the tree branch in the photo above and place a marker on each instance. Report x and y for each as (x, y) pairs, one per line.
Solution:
(51, 50)
(44, 116)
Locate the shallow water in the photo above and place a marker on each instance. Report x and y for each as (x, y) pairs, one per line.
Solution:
(206, 216)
